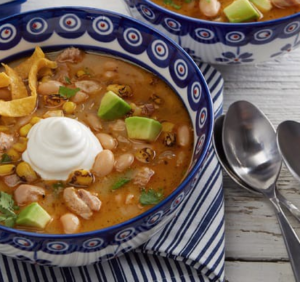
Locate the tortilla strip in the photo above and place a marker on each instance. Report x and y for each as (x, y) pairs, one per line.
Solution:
(33, 73)
(25, 106)
(23, 69)
(4, 80)
(17, 86)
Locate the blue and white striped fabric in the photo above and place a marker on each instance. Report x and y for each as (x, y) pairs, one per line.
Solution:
(189, 248)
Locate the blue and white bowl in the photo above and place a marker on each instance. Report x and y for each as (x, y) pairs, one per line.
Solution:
(117, 35)
(222, 43)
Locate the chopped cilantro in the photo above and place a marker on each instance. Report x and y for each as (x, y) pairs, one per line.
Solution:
(150, 197)
(5, 158)
(172, 4)
(58, 185)
(67, 79)
(120, 183)
(66, 92)
(7, 208)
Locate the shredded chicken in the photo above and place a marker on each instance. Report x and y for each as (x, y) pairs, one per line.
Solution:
(28, 193)
(81, 202)
(6, 141)
(285, 3)
(143, 176)
(71, 55)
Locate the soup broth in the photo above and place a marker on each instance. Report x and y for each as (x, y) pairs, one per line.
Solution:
(191, 9)
(143, 172)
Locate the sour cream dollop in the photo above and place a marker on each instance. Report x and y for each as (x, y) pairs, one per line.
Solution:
(58, 145)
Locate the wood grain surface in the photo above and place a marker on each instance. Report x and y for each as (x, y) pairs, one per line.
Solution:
(255, 250)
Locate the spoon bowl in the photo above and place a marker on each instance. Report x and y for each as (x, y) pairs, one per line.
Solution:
(249, 141)
(288, 140)
(250, 146)
(219, 150)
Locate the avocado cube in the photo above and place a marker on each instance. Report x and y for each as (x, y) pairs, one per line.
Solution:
(262, 5)
(112, 106)
(241, 11)
(142, 128)
(33, 215)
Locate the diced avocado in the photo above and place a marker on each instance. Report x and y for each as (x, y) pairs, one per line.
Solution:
(112, 106)
(262, 5)
(142, 128)
(33, 215)
(241, 11)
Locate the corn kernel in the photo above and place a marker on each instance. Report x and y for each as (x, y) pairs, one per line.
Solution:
(25, 129)
(69, 107)
(7, 169)
(167, 126)
(35, 120)
(80, 73)
(3, 128)
(20, 146)
(81, 178)
(45, 78)
(13, 154)
(25, 172)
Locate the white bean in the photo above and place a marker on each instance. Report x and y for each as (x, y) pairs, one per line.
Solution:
(110, 66)
(109, 74)
(70, 223)
(104, 163)
(209, 8)
(94, 122)
(80, 97)
(183, 136)
(124, 161)
(107, 141)
(49, 87)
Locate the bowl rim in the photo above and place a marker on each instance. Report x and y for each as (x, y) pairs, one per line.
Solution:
(214, 23)
(192, 172)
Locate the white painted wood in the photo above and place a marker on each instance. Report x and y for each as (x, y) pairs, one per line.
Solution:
(255, 250)
(258, 272)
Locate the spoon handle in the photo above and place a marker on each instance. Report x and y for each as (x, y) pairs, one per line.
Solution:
(290, 238)
(290, 206)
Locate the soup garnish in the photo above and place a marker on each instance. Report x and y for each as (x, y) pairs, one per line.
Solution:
(234, 11)
(86, 141)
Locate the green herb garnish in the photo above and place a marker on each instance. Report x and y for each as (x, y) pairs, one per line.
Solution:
(5, 158)
(150, 197)
(120, 183)
(66, 92)
(67, 79)
(172, 4)
(58, 185)
(7, 208)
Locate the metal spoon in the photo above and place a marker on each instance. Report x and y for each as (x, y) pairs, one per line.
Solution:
(218, 145)
(288, 140)
(249, 142)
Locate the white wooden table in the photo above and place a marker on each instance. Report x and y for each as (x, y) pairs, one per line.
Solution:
(255, 251)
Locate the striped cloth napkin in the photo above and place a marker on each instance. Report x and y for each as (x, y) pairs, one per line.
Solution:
(189, 248)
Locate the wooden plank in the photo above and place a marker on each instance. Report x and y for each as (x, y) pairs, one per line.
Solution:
(258, 272)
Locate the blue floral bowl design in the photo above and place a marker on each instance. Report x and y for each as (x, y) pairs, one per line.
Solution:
(117, 35)
(222, 43)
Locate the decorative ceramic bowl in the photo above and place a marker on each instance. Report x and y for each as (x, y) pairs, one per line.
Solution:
(222, 43)
(106, 32)
(10, 7)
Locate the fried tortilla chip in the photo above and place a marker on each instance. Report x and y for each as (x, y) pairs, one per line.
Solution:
(33, 73)
(4, 80)
(24, 68)
(17, 86)
(25, 106)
